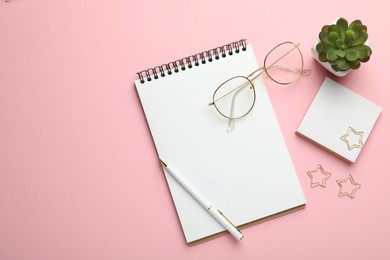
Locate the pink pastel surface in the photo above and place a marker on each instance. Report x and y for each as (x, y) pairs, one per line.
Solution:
(79, 174)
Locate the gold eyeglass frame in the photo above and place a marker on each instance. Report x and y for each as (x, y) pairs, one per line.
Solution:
(252, 76)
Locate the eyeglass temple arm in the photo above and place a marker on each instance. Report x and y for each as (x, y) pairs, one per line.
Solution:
(303, 71)
(233, 105)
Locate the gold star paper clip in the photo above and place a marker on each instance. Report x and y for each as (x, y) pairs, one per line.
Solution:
(313, 173)
(351, 193)
(359, 142)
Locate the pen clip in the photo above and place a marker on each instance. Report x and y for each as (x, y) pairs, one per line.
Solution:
(223, 215)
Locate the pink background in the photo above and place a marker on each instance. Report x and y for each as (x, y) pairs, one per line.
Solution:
(79, 174)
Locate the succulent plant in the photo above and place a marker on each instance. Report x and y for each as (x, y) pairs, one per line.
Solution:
(342, 45)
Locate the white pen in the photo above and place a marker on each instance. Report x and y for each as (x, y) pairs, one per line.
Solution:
(216, 213)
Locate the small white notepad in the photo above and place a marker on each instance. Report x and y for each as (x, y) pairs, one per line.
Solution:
(339, 120)
(246, 173)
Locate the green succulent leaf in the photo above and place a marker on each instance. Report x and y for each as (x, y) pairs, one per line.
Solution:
(349, 38)
(350, 35)
(352, 24)
(332, 55)
(342, 64)
(332, 37)
(341, 53)
(352, 55)
(365, 60)
(327, 46)
(363, 51)
(362, 38)
(322, 57)
(357, 28)
(333, 28)
(325, 28)
(342, 23)
(341, 44)
(319, 47)
(354, 64)
(323, 36)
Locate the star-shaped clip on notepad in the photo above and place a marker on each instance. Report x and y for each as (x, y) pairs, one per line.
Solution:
(318, 181)
(353, 138)
(351, 183)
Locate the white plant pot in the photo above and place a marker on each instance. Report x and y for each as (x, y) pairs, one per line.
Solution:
(327, 65)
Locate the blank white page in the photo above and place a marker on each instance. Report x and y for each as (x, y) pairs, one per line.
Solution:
(334, 109)
(246, 173)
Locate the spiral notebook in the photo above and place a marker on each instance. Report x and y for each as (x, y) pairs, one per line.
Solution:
(247, 173)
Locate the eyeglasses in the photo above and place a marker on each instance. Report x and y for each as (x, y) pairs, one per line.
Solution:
(236, 97)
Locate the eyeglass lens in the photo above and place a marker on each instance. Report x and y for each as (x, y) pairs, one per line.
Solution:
(284, 63)
(235, 97)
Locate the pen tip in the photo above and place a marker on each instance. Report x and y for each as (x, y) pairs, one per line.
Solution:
(163, 163)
